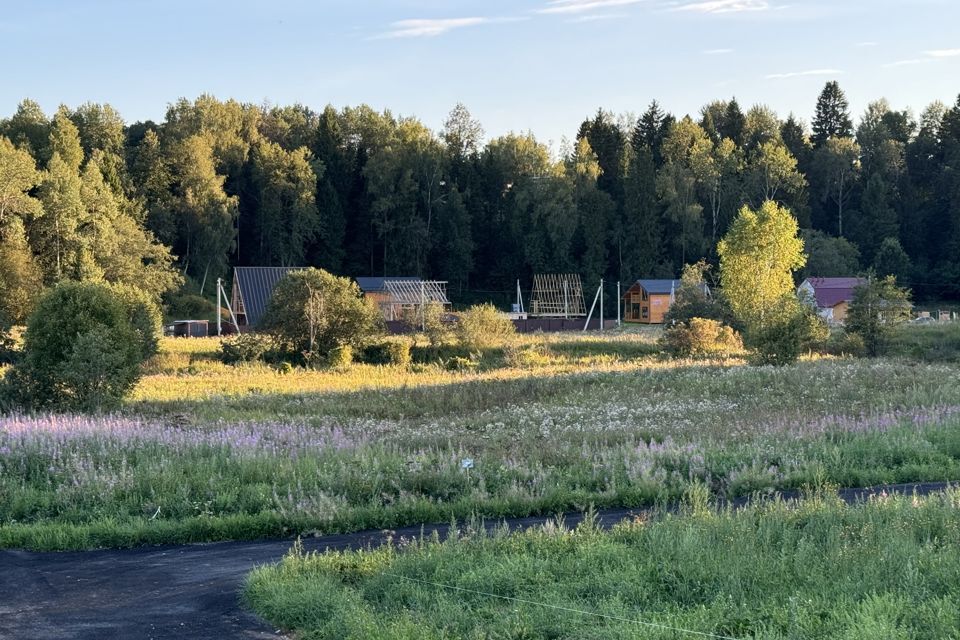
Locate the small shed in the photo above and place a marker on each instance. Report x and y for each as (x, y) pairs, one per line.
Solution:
(191, 328)
(395, 296)
(647, 301)
(832, 296)
(252, 288)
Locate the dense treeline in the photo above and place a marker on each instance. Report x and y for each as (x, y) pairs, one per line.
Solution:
(84, 196)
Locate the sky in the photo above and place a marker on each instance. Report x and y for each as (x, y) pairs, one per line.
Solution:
(522, 65)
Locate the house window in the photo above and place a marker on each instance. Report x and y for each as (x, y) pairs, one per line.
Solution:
(635, 312)
(646, 312)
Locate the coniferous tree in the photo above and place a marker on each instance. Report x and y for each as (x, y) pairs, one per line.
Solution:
(832, 119)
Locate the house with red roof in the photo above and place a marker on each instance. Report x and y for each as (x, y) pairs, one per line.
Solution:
(831, 295)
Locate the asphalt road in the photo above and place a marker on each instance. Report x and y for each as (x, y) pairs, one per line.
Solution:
(190, 591)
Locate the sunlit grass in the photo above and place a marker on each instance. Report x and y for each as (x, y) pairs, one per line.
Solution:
(817, 569)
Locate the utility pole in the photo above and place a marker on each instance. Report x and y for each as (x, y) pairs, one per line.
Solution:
(601, 304)
(219, 328)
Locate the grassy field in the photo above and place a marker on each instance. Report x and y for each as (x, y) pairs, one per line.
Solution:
(818, 569)
(209, 452)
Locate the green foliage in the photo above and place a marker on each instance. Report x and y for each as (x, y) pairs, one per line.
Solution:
(247, 347)
(395, 350)
(791, 329)
(695, 299)
(83, 348)
(829, 256)
(757, 259)
(312, 311)
(189, 306)
(878, 306)
(21, 280)
(433, 320)
(340, 357)
(700, 337)
(892, 260)
(483, 327)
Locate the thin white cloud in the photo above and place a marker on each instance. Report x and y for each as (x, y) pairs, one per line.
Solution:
(943, 53)
(429, 28)
(867, 44)
(809, 72)
(908, 62)
(717, 52)
(594, 17)
(583, 6)
(724, 6)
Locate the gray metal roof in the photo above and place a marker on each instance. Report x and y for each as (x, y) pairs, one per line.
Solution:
(256, 286)
(659, 287)
(372, 284)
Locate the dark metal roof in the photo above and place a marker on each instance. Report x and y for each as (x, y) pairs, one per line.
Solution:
(256, 286)
(660, 287)
(373, 284)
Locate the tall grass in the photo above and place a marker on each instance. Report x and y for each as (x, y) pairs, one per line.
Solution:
(293, 463)
(813, 570)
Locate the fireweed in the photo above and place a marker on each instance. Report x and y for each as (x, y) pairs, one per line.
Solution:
(610, 439)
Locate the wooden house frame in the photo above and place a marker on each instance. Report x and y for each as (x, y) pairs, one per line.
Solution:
(557, 295)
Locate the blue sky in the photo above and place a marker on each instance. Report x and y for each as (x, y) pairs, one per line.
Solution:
(539, 65)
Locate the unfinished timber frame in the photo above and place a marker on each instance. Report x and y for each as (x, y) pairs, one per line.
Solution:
(406, 295)
(557, 295)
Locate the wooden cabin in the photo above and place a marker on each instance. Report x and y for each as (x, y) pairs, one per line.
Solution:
(647, 301)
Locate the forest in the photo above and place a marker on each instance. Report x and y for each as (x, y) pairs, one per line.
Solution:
(170, 206)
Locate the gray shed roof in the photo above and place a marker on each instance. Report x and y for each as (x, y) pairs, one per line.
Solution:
(373, 284)
(659, 287)
(256, 286)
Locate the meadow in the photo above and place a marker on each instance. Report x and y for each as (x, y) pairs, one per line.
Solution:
(809, 570)
(205, 451)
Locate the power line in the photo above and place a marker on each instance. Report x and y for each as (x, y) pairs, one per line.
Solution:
(702, 634)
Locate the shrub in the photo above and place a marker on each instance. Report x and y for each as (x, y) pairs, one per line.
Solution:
(83, 348)
(190, 306)
(312, 311)
(483, 327)
(790, 329)
(395, 351)
(844, 343)
(878, 306)
(700, 337)
(340, 357)
(144, 315)
(433, 321)
(694, 299)
(247, 347)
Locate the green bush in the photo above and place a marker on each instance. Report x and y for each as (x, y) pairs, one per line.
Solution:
(789, 331)
(312, 311)
(247, 347)
(340, 357)
(83, 348)
(188, 306)
(844, 343)
(483, 326)
(395, 351)
(700, 337)
(433, 320)
(878, 306)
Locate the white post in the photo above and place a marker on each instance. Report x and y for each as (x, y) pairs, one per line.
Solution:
(592, 307)
(219, 328)
(619, 300)
(423, 307)
(566, 304)
(601, 304)
(230, 309)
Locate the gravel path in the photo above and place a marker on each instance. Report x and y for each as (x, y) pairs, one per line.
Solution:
(189, 591)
